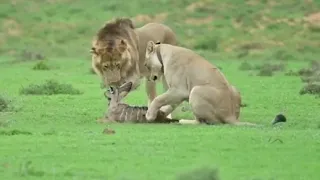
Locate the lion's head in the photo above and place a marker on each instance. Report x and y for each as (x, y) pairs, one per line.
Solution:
(153, 63)
(114, 48)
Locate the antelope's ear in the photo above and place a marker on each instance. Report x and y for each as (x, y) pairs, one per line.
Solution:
(111, 90)
(158, 42)
(125, 87)
(150, 47)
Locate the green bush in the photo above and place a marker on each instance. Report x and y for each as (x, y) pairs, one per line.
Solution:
(204, 173)
(50, 87)
(41, 65)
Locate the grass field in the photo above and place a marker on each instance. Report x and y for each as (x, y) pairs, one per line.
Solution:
(50, 131)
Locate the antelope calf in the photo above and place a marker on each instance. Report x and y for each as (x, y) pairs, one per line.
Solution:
(121, 112)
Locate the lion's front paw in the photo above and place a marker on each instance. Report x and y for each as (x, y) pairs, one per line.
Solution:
(150, 116)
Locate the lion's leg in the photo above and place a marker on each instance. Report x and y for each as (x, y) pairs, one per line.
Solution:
(151, 90)
(168, 109)
(170, 97)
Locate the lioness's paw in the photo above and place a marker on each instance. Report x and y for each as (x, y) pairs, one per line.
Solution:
(150, 116)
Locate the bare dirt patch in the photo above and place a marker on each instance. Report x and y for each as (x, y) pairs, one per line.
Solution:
(199, 21)
(196, 5)
(12, 27)
(313, 18)
(144, 18)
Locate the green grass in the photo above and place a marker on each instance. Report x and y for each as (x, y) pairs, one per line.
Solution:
(50, 131)
(59, 135)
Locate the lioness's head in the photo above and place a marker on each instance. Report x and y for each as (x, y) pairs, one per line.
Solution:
(111, 49)
(152, 61)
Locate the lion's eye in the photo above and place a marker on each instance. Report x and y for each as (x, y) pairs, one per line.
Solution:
(118, 66)
(93, 50)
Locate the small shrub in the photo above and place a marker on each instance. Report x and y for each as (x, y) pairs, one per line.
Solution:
(41, 65)
(268, 69)
(310, 88)
(271, 67)
(50, 87)
(314, 78)
(245, 66)
(265, 72)
(204, 173)
(14, 132)
(4, 123)
(4, 104)
(291, 73)
(208, 43)
(305, 72)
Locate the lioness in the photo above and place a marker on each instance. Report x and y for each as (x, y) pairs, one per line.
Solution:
(118, 53)
(192, 78)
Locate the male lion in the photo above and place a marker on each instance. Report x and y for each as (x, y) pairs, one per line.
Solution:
(192, 78)
(118, 53)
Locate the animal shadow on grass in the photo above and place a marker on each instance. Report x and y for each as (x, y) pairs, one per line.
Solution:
(27, 56)
(50, 87)
(26, 169)
(202, 173)
(265, 69)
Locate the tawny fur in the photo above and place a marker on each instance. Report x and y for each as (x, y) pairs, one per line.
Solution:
(118, 53)
(192, 78)
(123, 113)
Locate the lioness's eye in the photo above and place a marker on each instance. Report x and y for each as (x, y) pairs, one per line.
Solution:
(118, 66)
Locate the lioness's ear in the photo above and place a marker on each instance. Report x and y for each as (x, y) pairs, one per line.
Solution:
(122, 46)
(158, 42)
(150, 46)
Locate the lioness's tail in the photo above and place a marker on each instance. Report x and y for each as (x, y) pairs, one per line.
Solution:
(277, 119)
